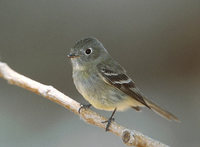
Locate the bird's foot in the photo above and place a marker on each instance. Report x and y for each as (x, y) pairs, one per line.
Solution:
(109, 121)
(87, 106)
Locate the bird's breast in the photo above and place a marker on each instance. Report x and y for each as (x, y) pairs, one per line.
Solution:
(87, 83)
(99, 93)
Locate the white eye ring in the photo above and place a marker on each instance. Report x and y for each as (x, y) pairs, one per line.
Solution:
(88, 51)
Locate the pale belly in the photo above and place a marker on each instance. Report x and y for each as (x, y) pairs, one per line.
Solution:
(102, 95)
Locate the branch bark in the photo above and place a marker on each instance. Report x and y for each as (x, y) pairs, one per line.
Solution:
(129, 137)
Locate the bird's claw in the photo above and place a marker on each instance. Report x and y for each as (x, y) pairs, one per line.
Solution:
(109, 121)
(84, 107)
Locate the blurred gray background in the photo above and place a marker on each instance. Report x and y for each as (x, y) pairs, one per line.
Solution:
(158, 42)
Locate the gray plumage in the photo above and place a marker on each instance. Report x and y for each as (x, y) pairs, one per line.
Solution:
(103, 82)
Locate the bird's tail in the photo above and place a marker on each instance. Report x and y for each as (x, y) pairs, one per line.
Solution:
(161, 111)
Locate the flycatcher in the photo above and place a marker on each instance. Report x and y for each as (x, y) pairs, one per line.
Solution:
(104, 83)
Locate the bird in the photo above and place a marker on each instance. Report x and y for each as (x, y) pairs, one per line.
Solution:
(104, 83)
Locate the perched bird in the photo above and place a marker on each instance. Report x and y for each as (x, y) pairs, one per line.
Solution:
(104, 83)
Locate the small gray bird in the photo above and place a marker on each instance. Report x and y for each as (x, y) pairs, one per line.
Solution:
(104, 83)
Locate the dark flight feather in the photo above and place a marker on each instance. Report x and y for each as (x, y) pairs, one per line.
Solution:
(122, 82)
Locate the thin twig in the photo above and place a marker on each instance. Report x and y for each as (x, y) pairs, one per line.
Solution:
(129, 137)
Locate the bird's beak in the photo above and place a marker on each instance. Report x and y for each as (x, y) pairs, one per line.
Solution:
(72, 55)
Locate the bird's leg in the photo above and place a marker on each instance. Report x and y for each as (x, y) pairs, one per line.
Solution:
(110, 120)
(86, 106)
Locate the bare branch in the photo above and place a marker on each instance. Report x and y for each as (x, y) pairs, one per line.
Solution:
(129, 137)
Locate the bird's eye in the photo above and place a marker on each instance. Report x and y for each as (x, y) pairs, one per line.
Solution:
(88, 51)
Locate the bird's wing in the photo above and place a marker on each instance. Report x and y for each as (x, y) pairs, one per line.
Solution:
(117, 77)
